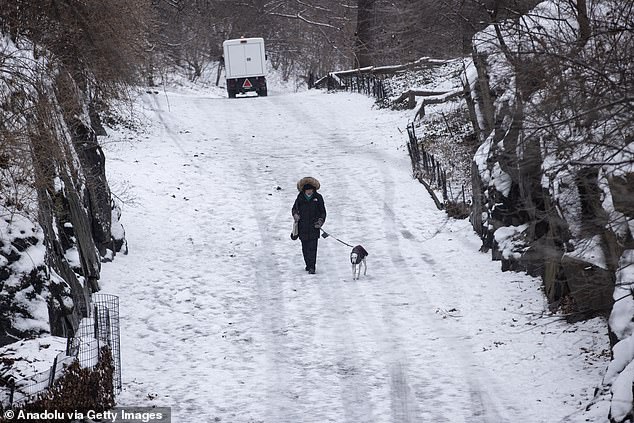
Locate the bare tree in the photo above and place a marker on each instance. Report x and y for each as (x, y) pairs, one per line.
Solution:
(300, 35)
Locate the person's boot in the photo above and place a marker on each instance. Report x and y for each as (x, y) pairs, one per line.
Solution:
(311, 271)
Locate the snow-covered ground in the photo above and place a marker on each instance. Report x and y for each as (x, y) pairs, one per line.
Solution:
(220, 321)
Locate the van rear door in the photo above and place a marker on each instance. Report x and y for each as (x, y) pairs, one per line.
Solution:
(236, 63)
(253, 59)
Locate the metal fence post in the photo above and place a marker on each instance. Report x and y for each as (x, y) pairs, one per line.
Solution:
(96, 324)
(51, 377)
(108, 328)
(69, 342)
(11, 391)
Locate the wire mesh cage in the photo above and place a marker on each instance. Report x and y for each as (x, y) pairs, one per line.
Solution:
(106, 330)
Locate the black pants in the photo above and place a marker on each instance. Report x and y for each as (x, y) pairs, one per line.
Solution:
(309, 250)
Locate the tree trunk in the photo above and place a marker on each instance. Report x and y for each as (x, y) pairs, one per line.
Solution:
(584, 23)
(473, 117)
(483, 96)
(363, 39)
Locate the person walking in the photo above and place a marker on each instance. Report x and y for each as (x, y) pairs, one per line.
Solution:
(309, 212)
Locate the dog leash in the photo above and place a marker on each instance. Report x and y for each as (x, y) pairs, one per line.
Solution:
(326, 235)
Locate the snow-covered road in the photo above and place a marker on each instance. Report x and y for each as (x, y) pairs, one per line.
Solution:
(220, 321)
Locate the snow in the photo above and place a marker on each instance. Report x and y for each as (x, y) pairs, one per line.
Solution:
(31, 355)
(220, 321)
(566, 193)
(506, 239)
(501, 180)
(622, 394)
(480, 158)
(31, 258)
(620, 373)
(14, 229)
(116, 228)
(623, 310)
(29, 363)
(72, 257)
(590, 251)
(36, 305)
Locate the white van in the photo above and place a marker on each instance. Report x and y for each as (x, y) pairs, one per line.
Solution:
(245, 66)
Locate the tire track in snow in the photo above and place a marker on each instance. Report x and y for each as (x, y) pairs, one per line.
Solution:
(343, 365)
(271, 300)
(401, 397)
(404, 406)
(180, 301)
(483, 408)
(267, 298)
(159, 113)
(350, 367)
(346, 363)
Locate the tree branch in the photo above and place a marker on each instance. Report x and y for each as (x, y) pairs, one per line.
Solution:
(624, 100)
(303, 19)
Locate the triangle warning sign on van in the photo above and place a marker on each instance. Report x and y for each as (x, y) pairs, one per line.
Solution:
(247, 84)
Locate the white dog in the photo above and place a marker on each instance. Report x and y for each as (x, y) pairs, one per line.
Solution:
(357, 257)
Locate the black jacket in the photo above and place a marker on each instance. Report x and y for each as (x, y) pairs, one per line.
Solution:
(310, 212)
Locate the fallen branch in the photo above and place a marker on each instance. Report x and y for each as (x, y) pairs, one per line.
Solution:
(439, 204)
(423, 62)
(410, 96)
(438, 99)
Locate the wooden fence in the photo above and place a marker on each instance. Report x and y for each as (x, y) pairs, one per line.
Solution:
(425, 166)
(370, 81)
(432, 174)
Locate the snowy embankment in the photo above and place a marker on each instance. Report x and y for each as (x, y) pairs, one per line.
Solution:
(220, 321)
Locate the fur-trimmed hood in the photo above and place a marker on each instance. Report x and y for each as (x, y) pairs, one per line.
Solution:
(307, 180)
